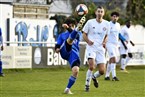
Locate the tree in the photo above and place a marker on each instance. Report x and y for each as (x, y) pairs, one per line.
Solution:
(136, 11)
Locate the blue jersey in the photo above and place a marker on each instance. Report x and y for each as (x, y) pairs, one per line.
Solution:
(72, 55)
(1, 38)
(0, 32)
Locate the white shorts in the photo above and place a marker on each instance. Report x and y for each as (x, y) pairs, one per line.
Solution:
(98, 55)
(125, 51)
(112, 50)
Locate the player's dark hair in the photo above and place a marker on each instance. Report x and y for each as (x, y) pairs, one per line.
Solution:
(128, 23)
(100, 7)
(70, 21)
(115, 13)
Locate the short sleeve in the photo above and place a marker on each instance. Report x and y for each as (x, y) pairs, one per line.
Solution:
(86, 27)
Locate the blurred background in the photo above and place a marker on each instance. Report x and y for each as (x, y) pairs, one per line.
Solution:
(34, 24)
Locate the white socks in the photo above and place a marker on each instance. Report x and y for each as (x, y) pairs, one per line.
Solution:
(127, 59)
(97, 74)
(108, 70)
(113, 69)
(123, 63)
(88, 77)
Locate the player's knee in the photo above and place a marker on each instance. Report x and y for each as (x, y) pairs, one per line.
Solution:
(130, 55)
(75, 71)
(69, 41)
(102, 72)
(112, 60)
(91, 64)
(124, 56)
(91, 68)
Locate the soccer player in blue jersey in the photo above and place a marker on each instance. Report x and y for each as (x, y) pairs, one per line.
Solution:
(68, 46)
(1, 49)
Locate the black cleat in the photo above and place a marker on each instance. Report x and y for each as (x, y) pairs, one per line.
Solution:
(87, 88)
(107, 78)
(2, 75)
(115, 79)
(95, 81)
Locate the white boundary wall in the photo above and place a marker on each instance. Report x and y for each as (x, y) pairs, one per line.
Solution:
(6, 11)
(17, 57)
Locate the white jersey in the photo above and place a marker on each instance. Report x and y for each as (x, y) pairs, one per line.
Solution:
(125, 33)
(113, 35)
(96, 31)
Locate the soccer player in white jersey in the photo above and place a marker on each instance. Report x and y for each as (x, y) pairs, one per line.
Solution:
(112, 46)
(126, 54)
(95, 33)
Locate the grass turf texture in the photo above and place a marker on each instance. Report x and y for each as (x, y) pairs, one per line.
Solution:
(52, 81)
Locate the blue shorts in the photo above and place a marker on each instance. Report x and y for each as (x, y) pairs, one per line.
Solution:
(70, 56)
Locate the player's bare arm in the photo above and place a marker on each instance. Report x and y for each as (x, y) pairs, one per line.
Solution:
(132, 43)
(104, 41)
(57, 48)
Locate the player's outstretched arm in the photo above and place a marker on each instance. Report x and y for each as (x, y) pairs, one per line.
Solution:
(132, 43)
(123, 44)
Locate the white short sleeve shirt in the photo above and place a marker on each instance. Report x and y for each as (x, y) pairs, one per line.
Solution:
(96, 31)
(113, 35)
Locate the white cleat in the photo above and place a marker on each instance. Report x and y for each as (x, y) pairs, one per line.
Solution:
(124, 70)
(67, 91)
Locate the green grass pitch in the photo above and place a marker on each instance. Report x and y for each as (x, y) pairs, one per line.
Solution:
(52, 81)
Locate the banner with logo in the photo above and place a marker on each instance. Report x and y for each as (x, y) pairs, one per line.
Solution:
(43, 57)
(31, 30)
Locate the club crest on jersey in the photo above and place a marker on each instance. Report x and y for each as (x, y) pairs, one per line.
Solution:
(104, 29)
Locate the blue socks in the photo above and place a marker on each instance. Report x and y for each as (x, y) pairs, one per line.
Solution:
(73, 34)
(71, 81)
(1, 67)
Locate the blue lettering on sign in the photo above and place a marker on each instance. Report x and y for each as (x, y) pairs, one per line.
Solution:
(21, 30)
(55, 31)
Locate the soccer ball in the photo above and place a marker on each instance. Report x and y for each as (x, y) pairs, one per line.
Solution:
(81, 9)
